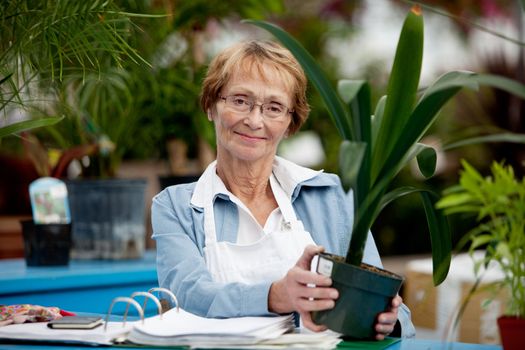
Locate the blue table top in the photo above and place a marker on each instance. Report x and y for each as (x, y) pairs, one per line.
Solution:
(16, 277)
(405, 344)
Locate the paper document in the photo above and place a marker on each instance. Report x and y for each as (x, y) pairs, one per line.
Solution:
(183, 328)
(39, 331)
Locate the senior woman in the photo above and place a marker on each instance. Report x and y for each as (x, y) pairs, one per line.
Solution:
(239, 241)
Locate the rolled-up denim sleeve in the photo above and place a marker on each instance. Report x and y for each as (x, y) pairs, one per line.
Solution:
(181, 267)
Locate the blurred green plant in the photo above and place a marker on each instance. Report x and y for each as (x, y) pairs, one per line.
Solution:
(45, 42)
(498, 204)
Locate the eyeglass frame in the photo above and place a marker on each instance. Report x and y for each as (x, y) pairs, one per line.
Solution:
(260, 105)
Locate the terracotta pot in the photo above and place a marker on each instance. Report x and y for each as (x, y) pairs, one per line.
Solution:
(511, 330)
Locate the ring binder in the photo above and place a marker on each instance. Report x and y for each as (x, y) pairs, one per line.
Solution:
(175, 327)
(164, 290)
(150, 296)
(128, 301)
(131, 300)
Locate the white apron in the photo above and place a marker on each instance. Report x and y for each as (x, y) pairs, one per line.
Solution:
(267, 259)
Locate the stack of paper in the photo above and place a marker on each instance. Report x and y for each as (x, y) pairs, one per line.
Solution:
(175, 328)
(181, 328)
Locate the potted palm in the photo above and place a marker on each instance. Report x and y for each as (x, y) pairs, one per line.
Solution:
(498, 204)
(70, 56)
(376, 145)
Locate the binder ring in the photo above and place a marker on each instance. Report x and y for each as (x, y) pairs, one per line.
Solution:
(167, 291)
(127, 301)
(150, 296)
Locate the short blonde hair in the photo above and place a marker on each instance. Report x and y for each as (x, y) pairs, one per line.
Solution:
(254, 55)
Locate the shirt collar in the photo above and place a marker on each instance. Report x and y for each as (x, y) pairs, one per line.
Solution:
(287, 173)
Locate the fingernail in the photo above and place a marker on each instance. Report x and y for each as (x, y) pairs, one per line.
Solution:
(334, 294)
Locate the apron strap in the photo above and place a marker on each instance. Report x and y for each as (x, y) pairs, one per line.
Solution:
(210, 234)
(285, 205)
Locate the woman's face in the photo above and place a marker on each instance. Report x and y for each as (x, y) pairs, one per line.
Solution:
(251, 136)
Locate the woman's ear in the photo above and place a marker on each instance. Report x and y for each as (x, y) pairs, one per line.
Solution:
(209, 115)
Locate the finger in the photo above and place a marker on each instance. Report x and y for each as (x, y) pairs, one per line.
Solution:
(309, 252)
(380, 336)
(307, 305)
(306, 277)
(387, 318)
(397, 301)
(318, 293)
(384, 329)
(306, 318)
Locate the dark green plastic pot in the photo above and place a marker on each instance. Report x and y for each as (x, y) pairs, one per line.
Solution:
(364, 292)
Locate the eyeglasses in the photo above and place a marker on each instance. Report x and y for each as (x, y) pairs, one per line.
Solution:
(243, 104)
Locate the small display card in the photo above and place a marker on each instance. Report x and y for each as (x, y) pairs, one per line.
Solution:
(49, 201)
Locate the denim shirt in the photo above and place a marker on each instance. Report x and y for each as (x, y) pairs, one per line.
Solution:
(178, 229)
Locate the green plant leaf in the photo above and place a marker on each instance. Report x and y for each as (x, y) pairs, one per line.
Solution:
(28, 125)
(503, 137)
(424, 115)
(6, 78)
(377, 119)
(395, 194)
(351, 156)
(454, 200)
(316, 76)
(356, 93)
(401, 90)
(496, 81)
(440, 238)
(480, 240)
(426, 160)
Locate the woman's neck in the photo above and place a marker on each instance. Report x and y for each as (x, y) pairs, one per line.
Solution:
(248, 181)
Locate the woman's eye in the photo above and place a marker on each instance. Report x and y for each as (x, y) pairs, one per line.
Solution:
(239, 101)
(275, 108)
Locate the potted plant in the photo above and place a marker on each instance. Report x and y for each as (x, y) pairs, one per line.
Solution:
(70, 56)
(376, 145)
(498, 204)
(64, 41)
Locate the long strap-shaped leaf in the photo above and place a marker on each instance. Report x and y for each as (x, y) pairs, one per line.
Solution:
(335, 107)
(423, 116)
(402, 88)
(437, 225)
(440, 238)
(356, 93)
(28, 124)
(434, 98)
(503, 137)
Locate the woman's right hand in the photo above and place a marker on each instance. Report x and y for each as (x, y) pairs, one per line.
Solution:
(295, 291)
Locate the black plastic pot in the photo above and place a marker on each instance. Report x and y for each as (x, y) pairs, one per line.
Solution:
(364, 292)
(166, 181)
(109, 218)
(46, 244)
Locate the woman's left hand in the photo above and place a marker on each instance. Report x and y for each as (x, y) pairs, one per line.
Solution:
(387, 320)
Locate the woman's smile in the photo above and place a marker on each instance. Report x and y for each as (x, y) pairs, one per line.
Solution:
(250, 138)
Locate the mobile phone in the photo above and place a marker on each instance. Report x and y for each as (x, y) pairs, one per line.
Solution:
(76, 322)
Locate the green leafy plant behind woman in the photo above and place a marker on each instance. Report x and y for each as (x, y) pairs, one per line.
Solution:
(378, 143)
(498, 204)
(45, 42)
